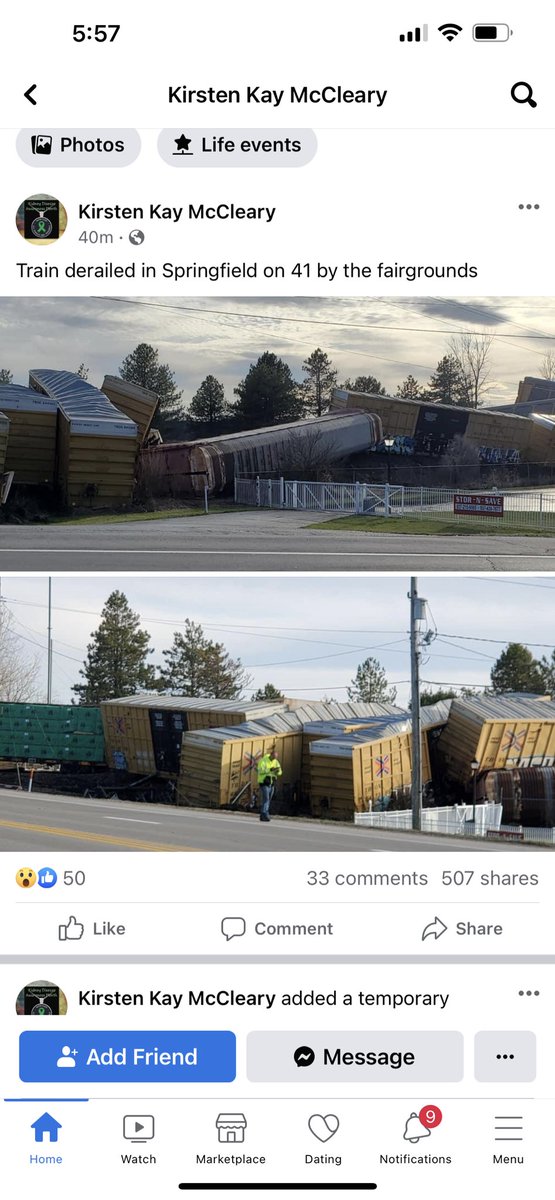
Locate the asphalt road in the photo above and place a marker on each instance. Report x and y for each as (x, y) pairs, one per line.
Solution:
(44, 821)
(258, 540)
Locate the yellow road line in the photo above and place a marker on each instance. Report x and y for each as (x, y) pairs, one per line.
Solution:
(106, 839)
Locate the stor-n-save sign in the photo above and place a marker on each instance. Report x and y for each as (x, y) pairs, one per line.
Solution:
(485, 505)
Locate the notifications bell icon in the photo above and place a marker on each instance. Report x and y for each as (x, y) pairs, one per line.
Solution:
(414, 1129)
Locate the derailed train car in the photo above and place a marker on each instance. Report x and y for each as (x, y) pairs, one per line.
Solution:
(96, 445)
(30, 449)
(432, 427)
(527, 794)
(181, 468)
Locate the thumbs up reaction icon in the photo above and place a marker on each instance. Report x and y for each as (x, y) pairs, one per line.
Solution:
(71, 932)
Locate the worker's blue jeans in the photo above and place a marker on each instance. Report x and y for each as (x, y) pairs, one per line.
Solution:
(266, 796)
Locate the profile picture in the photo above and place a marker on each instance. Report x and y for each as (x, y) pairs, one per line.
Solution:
(41, 999)
(41, 220)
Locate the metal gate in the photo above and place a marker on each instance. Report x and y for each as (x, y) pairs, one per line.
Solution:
(518, 511)
(305, 496)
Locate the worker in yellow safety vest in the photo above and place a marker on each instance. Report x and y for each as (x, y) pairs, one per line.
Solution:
(269, 769)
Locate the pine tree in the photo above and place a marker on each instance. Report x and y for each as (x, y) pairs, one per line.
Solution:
(370, 684)
(516, 670)
(196, 666)
(268, 395)
(321, 378)
(116, 662)
(410, 389)
(447, 385)
(208, 404)
(547, 666)
(428, 696)
(142, 366)
(365, 383)
(268, 692)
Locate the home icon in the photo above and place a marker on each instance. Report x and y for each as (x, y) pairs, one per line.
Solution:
(231, 1127)
(46, 1125)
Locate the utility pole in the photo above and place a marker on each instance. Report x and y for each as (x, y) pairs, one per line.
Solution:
(417, 611)
(49, 660)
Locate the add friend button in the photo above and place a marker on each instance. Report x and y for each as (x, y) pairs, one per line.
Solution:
(111, 1056)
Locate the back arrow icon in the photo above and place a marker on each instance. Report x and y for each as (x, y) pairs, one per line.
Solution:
(28, 95)
(435, 929)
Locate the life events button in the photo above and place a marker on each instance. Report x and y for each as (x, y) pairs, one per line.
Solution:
(114, 1056)
(237, 147)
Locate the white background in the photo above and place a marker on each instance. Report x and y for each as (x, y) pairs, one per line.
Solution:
(429, 178)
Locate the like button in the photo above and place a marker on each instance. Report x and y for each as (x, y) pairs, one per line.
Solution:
(71, 932)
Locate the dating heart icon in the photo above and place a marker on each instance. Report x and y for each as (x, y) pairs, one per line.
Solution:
(323, 1127)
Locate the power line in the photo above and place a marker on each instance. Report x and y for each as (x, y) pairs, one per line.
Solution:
(59, 654)
(333, 687)
(367, 326)
(480, 312)
(244, 628)
(476, 653)
(69, 645)
(512, 582)
(247, 627)
(319, 657)
(468, 637)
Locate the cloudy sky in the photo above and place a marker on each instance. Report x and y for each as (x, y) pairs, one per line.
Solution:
(305, 635)
(222, 336)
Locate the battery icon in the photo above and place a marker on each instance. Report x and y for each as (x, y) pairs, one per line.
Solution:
(491, 33)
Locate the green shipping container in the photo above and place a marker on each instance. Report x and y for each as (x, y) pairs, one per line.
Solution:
(51, 733)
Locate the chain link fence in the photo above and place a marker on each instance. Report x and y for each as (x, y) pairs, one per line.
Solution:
(496, 511)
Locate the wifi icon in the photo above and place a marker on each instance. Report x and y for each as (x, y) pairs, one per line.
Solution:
(450, 30)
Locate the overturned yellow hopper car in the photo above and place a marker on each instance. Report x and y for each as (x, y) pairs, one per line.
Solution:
(219, 765)
(30, 448)
(355, 774)
(316, 731)
(136, 402)
(359, 772)
(433, 426)
(497, 732)
(96, 444)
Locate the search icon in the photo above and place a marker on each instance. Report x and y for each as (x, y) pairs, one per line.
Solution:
(522, 93)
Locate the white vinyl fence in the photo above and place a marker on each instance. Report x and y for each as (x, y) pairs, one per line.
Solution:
(456, 821)
(527, 510)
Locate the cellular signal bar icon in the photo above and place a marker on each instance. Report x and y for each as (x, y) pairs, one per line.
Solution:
(416, 35)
